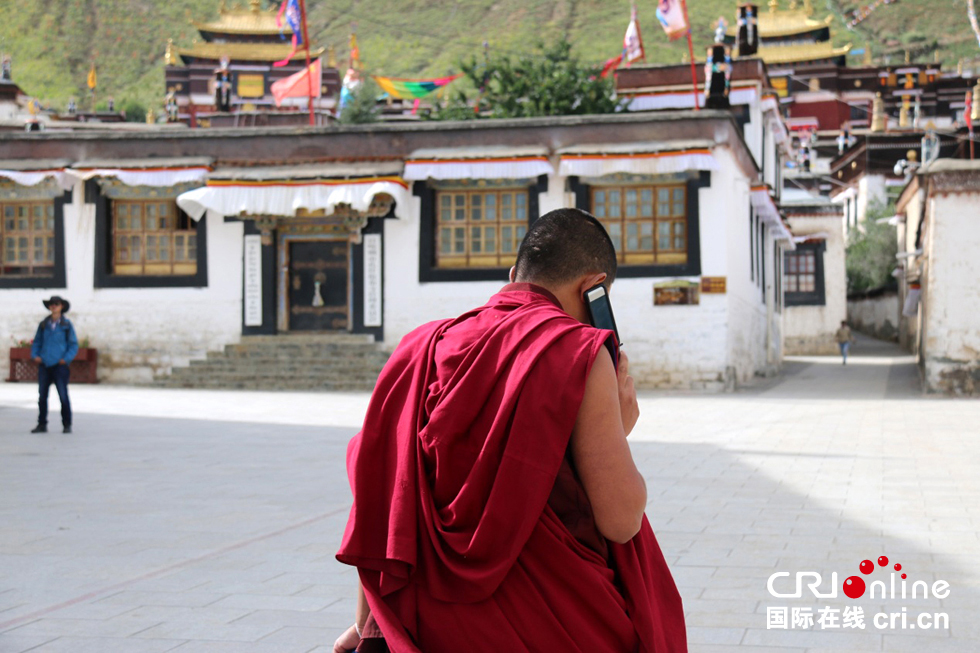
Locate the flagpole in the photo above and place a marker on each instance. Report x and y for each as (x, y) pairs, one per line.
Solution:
(690, 48)
(309, 73)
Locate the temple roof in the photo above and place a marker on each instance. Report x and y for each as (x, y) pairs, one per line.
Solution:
(798, 52)
(245, 51)
(239, 20)
(777, 22)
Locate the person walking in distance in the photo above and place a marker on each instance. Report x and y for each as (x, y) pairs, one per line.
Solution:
(55, 346)
(844, 339)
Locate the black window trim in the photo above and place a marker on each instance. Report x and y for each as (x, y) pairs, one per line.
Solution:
(103, 252)
(818, 296)
(693, 266)
(428, 272)
(59, 278)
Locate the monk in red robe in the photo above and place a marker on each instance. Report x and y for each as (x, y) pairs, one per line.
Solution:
(497, 506)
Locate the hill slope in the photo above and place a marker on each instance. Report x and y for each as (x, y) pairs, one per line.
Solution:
(53, 42)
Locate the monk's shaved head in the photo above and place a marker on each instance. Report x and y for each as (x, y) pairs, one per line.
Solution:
(564, 245)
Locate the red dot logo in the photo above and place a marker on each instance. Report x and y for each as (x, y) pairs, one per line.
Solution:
(854, 587)
(866, 568)
(883, 561)
(898, 567)
(903, 576)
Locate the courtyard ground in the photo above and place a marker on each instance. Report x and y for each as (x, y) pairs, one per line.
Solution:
(182, 520)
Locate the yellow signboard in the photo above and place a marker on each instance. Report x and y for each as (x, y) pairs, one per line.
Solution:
(713, 285)
(251, 85)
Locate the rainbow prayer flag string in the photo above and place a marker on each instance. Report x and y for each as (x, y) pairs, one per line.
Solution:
(404, 89)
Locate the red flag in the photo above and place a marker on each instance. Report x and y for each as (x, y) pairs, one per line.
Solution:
(611, 65)
(298, 84)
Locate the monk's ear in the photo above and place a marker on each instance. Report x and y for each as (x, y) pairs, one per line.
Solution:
(513, 273)
(591, 281)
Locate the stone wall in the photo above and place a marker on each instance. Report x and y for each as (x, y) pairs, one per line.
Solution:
(875, 314)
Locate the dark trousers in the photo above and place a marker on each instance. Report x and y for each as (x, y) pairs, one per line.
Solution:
(58, 375)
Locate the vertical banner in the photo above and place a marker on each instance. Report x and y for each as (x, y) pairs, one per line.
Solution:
(372, 280)
(253, 280)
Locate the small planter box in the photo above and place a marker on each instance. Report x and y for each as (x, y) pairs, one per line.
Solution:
(83, 369)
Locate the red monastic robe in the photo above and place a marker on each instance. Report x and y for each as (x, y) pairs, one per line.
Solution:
(456, 542)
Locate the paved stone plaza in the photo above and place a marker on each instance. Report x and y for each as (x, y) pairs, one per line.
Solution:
(180, 520)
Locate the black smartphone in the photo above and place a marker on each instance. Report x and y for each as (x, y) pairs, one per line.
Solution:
(600, 311)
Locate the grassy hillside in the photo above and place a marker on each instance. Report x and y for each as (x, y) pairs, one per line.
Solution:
(53, 42)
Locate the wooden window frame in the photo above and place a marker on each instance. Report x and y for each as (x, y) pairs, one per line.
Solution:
(692, 264)
(655, 219)
(451, 203)
(815, 297)
(104, 277)
(429, 271)
(129, 240)
(26, 241)
(56, 278)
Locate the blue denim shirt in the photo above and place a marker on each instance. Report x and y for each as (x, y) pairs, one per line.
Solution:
(55, 341)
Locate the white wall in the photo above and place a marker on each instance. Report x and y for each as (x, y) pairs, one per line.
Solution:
(140, 332)
(950, 345)
(810, 329)
(871, 189)
(876, 316)
(689, 347)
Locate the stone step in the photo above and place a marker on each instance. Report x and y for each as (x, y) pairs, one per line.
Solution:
(287, 362)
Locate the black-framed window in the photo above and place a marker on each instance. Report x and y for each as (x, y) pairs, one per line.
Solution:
(143, 241)
(32, 237)
(678, 231)
(470, 229)
(803, 281)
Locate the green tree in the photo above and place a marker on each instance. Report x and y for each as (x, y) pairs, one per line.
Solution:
(363, 104)
(547, 82)
(871, 250)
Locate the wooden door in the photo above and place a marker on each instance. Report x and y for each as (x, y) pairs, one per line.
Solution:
(318, 285)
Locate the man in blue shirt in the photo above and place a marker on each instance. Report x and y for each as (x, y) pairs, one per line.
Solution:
(55, 346)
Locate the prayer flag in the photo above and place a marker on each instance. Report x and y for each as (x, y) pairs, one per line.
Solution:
(633, 42)
(610, 65)
(92, 78)
(403, 89)
(298, 84)
(672, 17)
(294, 18)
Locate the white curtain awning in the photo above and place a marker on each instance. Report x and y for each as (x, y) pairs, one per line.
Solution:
(145, 172)
(31, 172)
(766, 209)
(637, 158)
(685, 99)
(479, 163)
(232, 197)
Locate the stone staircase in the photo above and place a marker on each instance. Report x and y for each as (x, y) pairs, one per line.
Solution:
(287, 362)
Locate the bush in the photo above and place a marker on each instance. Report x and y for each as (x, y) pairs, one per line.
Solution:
(871, 250)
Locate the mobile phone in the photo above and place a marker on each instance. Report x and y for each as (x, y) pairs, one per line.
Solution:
(600, 311)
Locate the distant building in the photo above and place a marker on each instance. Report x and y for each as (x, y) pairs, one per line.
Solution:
(231, 71)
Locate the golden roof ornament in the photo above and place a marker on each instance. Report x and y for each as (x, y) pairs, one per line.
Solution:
(223, 7)
(908, 57)
(256, 6)
(169, 58)
(878, 119)
(808, 7)
(867, 55)
(773, 6)
(331, 57)
(793, 4)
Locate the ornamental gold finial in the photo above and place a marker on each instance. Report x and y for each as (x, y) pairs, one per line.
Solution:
(773, 6)
(169, 58)
(255, 5)
(793, 4)
(223, 7)
(878, 120)
(808, 7)
(331, 57)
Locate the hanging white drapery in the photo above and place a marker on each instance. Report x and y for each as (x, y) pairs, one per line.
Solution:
(638, 158)
(478, 163)
(282, 191)
(766, 209)
(145, 172)
(32, 172)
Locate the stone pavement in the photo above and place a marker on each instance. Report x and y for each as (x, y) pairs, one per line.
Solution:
(183, 520)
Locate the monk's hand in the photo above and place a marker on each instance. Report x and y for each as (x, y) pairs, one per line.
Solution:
(347, 642)
(628, 407)
(37, 359)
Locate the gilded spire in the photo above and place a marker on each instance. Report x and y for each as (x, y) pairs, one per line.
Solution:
(975, 114)
(169, 58)
(331, 57)
(878, 118)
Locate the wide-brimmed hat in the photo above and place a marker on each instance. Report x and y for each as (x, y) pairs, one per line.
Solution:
(59, 300)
